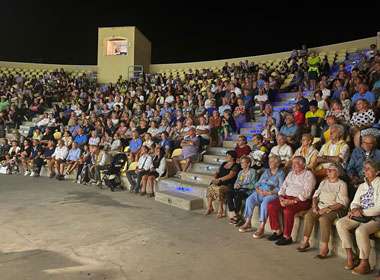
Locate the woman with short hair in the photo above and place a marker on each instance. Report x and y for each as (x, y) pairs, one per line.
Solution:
(363, 218)
(223, 181)
(267, 188)
(328, 203)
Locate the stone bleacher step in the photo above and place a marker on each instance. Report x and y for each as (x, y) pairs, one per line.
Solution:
(214, 159)
(254, 125)
(180, 186)
(249, 131)
(205, 168)
(179, 200)
(197, 178)
(229, 144)
(221, 151)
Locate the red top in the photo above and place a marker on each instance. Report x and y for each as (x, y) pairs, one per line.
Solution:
(242, 151)
(299, 118)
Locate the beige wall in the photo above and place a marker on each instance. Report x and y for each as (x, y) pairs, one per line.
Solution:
(110, 67)
(143, 50)
(359, 44)
(24, 65)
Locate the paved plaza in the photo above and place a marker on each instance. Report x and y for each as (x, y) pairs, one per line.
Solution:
(60, 230)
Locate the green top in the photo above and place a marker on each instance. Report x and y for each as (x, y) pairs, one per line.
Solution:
(314, 63)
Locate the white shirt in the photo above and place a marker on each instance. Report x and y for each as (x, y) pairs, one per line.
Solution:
(284, 152)
(60, 152)
(362, 189)
(224, 108)
(261, 98)
(204, 127)
(169, 99)
(145, 162)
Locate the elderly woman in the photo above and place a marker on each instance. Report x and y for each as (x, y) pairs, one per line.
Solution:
(283, 150)
(341, 114)
(243, 187)
(329, 202)
(307, 151)
(223, 181)
(363, 118)
(363, 218)
(266, 190)
(336, 150)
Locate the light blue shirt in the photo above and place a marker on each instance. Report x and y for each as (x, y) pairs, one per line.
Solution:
(369, 96)
(73, 155)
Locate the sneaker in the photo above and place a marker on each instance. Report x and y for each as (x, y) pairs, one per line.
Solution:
(284, 241)
(32, 174)
(274, 237)
(77, 181)
(26, 173)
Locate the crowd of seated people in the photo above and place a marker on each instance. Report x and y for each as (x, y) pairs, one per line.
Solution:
(284, 170)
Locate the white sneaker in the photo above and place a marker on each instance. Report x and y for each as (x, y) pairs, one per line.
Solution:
(26, 173)
(32, 174)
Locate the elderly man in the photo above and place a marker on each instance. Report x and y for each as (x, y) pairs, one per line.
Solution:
(58, 160)
(335, 150)
(294, 196)
(363, 93)
(190, 149)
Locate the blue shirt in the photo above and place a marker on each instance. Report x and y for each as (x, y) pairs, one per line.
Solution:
(135, 145)
(289, 131)
(73, 155)
(355, 165)
(80, 139)
(276, 116)
(269, 182)
(166, 144)
(369, 96)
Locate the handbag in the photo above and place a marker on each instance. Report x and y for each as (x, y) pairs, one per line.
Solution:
(362, 219)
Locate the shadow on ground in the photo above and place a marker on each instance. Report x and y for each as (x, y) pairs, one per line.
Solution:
(95, 199)
(32, 264)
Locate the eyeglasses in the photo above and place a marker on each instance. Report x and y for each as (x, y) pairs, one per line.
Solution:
(369, 143)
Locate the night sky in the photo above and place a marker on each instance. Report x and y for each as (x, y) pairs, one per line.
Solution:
(66, 31)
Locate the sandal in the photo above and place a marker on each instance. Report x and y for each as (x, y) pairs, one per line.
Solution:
(220, 215)
(245, 229)
(258, 234)
(234, 220)
(209, 211)
(303, 247)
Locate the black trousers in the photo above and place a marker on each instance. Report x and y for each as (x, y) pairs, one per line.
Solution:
(235, 199)
(134, 178)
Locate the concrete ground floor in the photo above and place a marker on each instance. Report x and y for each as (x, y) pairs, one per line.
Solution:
(58, 230)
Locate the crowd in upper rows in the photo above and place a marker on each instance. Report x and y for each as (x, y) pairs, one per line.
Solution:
(314, 140)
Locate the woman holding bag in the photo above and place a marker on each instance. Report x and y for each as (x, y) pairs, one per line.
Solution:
(363, 218)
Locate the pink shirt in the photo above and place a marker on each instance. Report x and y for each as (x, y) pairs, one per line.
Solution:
(300, 186)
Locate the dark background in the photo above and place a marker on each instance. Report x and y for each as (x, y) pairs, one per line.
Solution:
(66, 31)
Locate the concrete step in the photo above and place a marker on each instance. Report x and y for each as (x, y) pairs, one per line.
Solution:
(244, 131)
(229, 144)
(235, 136)
(29, 123)
(197, 178)
(24, 127)
(179, 200)
(214, 159)
(217, 151)
(179, 186)
(204, 168)
(253, 125)
(11, 136)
